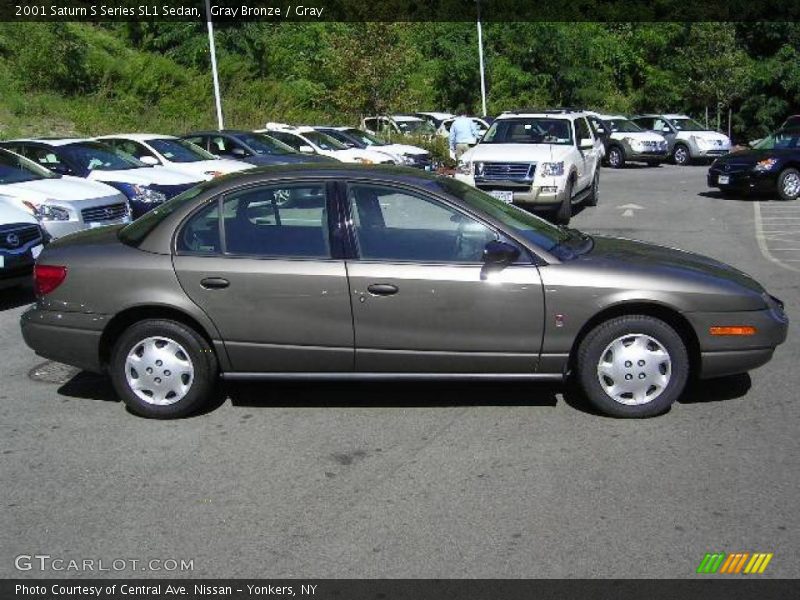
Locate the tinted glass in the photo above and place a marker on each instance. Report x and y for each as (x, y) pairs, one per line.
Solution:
(529, 130)
(224, 146)
(622, 125)
(287, 220)
(687, 125)
(780, 140)
(201, 235)
(393, 224)
(135, 149)
(582, 130)
(366, 138)
(94, 156)
(323, 141)
(180, 151)
(16, 169)
(265, 144)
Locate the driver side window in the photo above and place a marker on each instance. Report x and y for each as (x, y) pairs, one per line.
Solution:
(396, 225)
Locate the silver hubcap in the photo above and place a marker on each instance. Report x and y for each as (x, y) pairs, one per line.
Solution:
(634, 369)
(159, 371)
(791, 185)
(680, 155)
(614, 158)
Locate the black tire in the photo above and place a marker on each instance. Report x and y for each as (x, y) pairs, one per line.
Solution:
(681, 156)
(616, 157)
(788, 181)
(594, 194)
(202, 359)
(563, 213)
(593, 348)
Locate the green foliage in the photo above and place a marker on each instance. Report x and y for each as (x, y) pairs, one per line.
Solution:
(88, 79)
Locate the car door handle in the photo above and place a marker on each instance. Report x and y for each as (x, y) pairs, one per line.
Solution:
(215, 283)
(382, 289)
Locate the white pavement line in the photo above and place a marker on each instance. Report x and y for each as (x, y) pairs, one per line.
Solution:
(762, 242)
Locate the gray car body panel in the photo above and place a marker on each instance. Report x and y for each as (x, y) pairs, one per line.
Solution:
(290, 316)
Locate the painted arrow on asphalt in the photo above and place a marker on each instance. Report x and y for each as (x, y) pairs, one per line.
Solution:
(629, 208)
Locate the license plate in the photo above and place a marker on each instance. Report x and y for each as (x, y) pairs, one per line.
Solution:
(724, 180)
(36, 251)
(507, 197)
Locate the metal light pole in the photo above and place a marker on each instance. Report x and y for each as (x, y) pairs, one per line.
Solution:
(480, 58)
(217, 100)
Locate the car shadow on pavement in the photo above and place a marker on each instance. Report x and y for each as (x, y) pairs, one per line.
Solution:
(736, 197)
(394, 394)
(89, 386)
(16, 297)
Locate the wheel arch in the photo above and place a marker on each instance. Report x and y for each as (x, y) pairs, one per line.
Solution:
(664, 312)
(124, 319)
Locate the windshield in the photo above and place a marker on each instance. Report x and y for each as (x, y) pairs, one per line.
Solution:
(341, 136)
(264, 144)
(94, 156)
(529, 130)
(16, 169)
(414, 126)
(622, 125)
(136, 232)
(325, 142)
(180, 151)
(687, 124)
(366, 138)
(561, 242)
(780, 140)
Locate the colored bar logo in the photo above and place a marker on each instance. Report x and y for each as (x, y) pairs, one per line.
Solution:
(743, 563)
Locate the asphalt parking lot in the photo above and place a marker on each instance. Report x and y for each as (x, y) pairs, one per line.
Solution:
(420, 480)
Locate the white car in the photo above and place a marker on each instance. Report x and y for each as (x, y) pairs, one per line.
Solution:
(539, 160)
(687, 139)
(145, 187)
(174, 153)
(401, 154)
(310, 141)
(21, 241)
(61, 203)
(434, 118)
(625, 141)
(397, 125)
(480, 124)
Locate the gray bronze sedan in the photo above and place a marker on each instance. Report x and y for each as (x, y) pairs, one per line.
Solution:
(347, 272)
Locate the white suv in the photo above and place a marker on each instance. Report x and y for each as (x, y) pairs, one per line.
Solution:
(546, 160)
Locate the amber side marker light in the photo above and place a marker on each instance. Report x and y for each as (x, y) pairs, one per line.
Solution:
(733, 330)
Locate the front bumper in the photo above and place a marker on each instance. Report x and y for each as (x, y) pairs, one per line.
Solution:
(524, 194)
(57, 229)
(697, 152)
(743, 180)
(66, 337)
(729, 355)
(660, 156)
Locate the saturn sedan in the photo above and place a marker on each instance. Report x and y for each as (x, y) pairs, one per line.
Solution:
(332, 272)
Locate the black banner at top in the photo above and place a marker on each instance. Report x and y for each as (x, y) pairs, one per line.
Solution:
(400, 10)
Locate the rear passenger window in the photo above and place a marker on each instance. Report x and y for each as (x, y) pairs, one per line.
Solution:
(201, 233)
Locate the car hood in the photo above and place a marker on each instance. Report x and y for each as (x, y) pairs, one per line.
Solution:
(401, 149)
(63, 189)
(517, 152)
(710, 136)
(287, 159)
(199, 168)
(145, 176)
(752, 156)
(357, 155)
(645, 136)
(662, 264)
(11, 213)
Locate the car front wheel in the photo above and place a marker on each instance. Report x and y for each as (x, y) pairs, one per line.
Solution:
(163, 369)
(563, 213)
(616, 157)
(632, 366)
(681, 155)
(594, 194)
(789, 184)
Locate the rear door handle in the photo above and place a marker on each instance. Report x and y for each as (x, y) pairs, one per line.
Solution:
(382, 289)
(215, 283)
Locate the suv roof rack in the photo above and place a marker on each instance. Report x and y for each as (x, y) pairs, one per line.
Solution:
(552, 111)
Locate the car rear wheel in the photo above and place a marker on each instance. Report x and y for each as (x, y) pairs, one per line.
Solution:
(563, 213)
(163, 369)
(633, 366)
(789, 184)
(681, 155)
(616, 157)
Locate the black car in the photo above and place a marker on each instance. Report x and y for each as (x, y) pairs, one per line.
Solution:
(772, 166)
(248, 146)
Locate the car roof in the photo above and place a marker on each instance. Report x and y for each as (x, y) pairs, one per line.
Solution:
(137, 137)
(404, 118)
(437, 115)
(609, 117)
(49, 141)
(233, 132)
(566, 114)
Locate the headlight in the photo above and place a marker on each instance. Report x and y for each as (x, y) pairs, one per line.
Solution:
(701, 142)
(766, 164)
(48, 212)
(552, 169)
(363, 161)
(139, 193)
(467, 168)
(634, 143)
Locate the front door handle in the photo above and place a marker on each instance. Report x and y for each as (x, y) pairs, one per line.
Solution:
(382, 289)
(215, 283)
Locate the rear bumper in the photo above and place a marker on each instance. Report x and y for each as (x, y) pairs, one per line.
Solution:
(69, 338)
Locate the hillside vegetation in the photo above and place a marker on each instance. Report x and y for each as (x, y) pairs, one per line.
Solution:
(85, 79)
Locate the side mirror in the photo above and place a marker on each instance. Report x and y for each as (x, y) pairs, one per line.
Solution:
(497, 253)
(149, 160)
(306, 149)
(238, 152)
(601, 131)
(586, 144)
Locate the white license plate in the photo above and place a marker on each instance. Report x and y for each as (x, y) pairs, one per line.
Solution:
(36, 251)
(724, 180)
(507, 197)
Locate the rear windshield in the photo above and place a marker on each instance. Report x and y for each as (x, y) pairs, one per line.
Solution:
(135, 233)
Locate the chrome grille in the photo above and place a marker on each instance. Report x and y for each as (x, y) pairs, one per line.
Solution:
(16, 236)
(109, 212)
(489, 171)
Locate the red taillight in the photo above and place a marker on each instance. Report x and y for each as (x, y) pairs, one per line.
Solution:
(46, 278)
